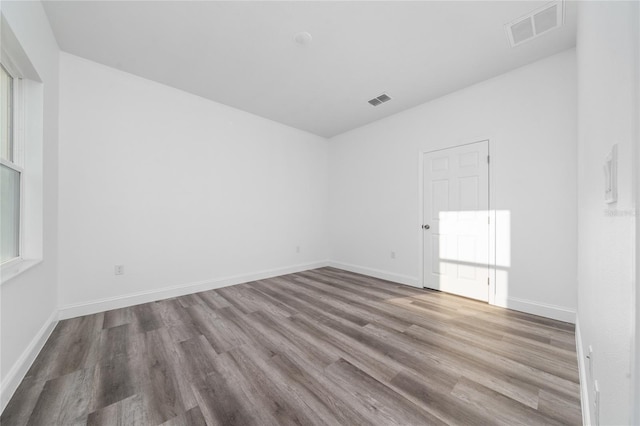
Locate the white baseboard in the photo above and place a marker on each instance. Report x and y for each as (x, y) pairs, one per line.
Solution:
(555, 312)
(23, 363)
(383, 275)
(582, 368)
(101, 305)
(559, 313)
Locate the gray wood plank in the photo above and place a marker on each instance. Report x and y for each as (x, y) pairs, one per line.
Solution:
(167, 393)
(192, 417)
(23, 402)
(146, 317)
(112, 376)
(126, 412)
(64, 400)
(221, 401)
(503, 410)
(319, 347)
(76, 338)
(375, 400)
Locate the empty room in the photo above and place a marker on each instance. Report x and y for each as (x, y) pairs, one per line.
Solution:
(319, 212)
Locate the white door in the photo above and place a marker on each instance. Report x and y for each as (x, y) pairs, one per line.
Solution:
(456, 220)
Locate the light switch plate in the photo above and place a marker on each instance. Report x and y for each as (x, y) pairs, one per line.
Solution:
(610, 169)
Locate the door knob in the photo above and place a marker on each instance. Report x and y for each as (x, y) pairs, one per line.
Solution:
(425, 227)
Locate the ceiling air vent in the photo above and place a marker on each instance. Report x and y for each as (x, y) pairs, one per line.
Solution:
(535, 23)
(379, 100)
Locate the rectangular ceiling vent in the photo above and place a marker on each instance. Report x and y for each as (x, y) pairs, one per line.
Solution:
(379, 100)
(535, 23)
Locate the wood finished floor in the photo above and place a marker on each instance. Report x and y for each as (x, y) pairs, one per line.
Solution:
(323, 347)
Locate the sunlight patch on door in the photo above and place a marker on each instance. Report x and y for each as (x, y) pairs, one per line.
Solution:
(466, 248)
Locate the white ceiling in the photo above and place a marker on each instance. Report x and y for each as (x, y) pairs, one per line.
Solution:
(242, 54)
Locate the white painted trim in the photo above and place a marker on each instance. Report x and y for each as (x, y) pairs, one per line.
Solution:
(582, 369)
(101, 305)
(15, 267)
(23, 363)
(493, 239)
(420, 218)
(377, 273)
(559, 313)
(491, 264)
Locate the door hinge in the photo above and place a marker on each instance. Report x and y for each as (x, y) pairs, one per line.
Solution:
(488, 281)
(487, 159)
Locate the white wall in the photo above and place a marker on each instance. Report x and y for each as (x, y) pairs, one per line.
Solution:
(608, 76)
(636, 371)
(29, 301)
(178, 189)
(529, 116)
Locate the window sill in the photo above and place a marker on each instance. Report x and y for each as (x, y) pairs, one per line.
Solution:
(15, 268)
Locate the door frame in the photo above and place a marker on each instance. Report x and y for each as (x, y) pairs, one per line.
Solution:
(492, 217)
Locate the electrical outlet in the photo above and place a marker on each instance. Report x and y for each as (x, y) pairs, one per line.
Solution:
(118, 270)
(298, 249)
(393, 254)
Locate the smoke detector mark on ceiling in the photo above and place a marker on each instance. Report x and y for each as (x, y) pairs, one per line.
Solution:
(379, 99)
(535, 23)
(302, 38)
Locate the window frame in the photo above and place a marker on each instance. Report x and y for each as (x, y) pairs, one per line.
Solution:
(28, 141)
(17, 149)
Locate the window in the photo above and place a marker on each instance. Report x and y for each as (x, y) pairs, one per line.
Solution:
(22, 94)
(10, 170)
